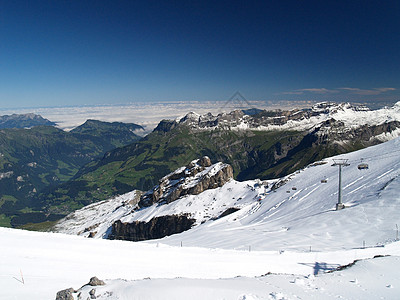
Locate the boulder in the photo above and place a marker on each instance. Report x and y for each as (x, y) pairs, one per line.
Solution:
(94, 281)
(65, 294)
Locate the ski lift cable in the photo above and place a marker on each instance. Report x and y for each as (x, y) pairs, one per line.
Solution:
(378, 156)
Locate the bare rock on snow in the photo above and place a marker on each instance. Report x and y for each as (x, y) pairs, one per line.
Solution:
(198, 176)
(94, 281)
(65, 294)
(156, 228)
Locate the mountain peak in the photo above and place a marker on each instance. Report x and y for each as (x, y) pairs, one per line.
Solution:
(197, 176)
(27, 120)
(344, 115)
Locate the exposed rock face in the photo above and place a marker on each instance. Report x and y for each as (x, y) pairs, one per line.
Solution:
(94, 281)
(334, 131)
(65, 294)
(156, 228)
(334, 117)
(239, 119)
(196, 177)
(193, 179)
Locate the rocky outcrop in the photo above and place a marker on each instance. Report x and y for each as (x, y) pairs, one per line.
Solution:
(68, 294)
(65, 294)
(94, 281)
(193, 179)
(156, 228)
(367, 135)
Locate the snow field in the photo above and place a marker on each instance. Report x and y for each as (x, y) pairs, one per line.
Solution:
(51, 262)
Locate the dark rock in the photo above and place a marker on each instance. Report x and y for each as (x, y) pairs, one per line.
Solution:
(156, 228)
(92, 294)
(94, 281)
(65, 294)
(227, 212)
(205, 161)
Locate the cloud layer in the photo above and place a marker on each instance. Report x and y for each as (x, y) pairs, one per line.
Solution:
(350, 90)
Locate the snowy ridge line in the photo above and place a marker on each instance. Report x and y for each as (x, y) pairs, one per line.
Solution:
(348, 116)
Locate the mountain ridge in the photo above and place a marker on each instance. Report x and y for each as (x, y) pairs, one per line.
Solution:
(250, 144)
(27, 120)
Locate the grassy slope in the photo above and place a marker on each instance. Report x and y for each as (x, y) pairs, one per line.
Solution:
(44, 156)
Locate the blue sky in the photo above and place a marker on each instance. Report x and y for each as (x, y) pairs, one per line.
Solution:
(55, 53)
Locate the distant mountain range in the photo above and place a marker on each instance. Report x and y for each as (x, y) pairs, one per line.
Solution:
(23, 121)
(262, 144)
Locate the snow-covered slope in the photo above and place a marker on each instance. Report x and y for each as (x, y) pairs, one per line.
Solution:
(296, 212)
(37, 265)
(301, 213)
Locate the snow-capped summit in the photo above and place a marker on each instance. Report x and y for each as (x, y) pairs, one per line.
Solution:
(340, 115)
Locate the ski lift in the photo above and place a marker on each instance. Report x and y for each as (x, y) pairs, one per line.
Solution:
(362, 166)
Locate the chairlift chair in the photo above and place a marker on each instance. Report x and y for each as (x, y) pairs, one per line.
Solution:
(362, 166)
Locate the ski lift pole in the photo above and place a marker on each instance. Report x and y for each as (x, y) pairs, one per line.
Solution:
(340, 163)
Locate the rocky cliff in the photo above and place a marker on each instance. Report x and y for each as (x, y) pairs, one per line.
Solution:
(193, 179)
(156, 228)
(343, 116)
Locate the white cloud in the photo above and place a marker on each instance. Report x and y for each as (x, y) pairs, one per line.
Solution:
(355, 91)
(319, 91)
(365, 92)
(293, 93)
(311, 90)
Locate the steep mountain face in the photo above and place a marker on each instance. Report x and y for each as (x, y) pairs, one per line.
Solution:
(115, 134)
(35, 159)
(23, 121)
(156, 228)
(195, 178)
(265, 145)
